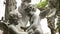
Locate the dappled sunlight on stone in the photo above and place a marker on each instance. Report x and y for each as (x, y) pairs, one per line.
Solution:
(1, 32)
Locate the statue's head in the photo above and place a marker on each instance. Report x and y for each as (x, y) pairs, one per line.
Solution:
(28, 1)
(30, 9)
(14, 17)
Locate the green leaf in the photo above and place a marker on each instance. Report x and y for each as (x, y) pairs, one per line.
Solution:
(42, 4)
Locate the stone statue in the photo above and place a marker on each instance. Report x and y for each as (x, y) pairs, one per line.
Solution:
(21, 9)
(50, 14)
(14, 19)
(21, 17)
(35, 23)
(28, 14)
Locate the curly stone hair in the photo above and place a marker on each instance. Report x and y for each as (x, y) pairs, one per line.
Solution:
(26, 1)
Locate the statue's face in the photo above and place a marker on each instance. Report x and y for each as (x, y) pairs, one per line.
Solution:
(14, 17)
(30, 10)
(13, 20)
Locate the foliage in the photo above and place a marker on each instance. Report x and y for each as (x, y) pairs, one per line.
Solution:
(58, 4)
(42, 4)
(57, 7)
(58, 25)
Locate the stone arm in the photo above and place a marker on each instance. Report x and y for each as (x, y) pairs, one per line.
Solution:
(15, 29)
(11, 28)
(52, 12)
(35, 23)
(44, 13)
